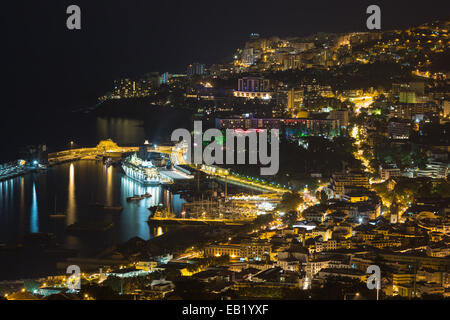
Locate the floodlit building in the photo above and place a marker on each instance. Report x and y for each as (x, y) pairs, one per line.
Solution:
(253, 87)
(409, 110)
(399, 129)
(341, 115)
(387, 172)
(295, 99)
(196, 69)
(246, 250)
(218, 250)
(340, 181)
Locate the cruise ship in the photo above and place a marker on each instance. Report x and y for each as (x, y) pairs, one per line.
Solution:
(144, 171)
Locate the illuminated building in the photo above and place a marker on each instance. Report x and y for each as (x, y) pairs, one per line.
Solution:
(250, 250)
(340, 181)
(314, 265)
(196, 69)
(164, 78)
(232, 250)
(301, 46)
(399, 129)
(255, 250)
(253, 87)
(407, 96)
(384, 243)
(434, 263)
(295, 128)
(341, 115)
(295, 100)
(313, 215)
(288, 264)
(441, 278)
(418, 87)
(146, 265)
(342, 273)
(440, 251)
(323, 232)
(127, 272)
(248, 57)
(430, 288)
(408, 110)
(446, 107)
(433, 169)
(401, 278)
(366, 211)
(387, 172)
(326, 246)
(355, 197)
(248, 123)
(132, 88)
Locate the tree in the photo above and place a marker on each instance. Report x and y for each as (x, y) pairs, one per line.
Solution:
(191, 289)
(442, 188)
(31, 285)
(114, 283)
(99, 292)
(290, 217)
(290, 201)
(171, 273)
(323, 197)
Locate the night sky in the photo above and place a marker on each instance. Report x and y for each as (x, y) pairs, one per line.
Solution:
(48, 66)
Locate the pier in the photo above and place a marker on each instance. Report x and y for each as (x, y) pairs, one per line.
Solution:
(13, 170)
(194, 221)
(105, 149)
(109, 149)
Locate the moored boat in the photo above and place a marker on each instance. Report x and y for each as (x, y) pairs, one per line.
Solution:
(135, 198)
(143, 171)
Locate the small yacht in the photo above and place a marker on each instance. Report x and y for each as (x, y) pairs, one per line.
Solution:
(135, 198)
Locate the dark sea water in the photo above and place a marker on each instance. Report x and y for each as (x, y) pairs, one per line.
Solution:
(57, 128)
(27, 201)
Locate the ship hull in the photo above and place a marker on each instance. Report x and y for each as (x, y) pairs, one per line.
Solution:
(144, 172)
(132, 173)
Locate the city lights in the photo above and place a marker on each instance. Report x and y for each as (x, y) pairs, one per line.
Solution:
(182, 159)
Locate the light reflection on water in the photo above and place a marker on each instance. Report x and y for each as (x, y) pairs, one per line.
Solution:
(34, 215)
(26, 203)
(121, 130)
(71, 200)
(21, 226)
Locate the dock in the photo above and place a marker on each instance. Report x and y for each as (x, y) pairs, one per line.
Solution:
(198, 222)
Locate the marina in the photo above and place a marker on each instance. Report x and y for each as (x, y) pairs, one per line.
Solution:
(86, 190)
